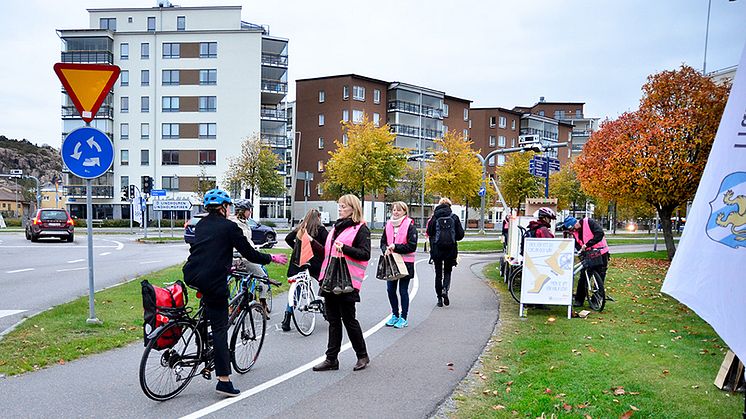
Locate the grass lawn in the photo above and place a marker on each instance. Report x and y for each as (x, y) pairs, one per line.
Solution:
(161, 239)
(644, 355)
(476, 245)
(61, 334)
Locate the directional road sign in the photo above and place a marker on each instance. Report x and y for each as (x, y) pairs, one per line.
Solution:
(172, 205)
(482, 191)
(87, 152)
(87, 85)
(157, 192)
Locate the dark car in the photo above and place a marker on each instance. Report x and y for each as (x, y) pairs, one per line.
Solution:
(50, 222)
(261, 234)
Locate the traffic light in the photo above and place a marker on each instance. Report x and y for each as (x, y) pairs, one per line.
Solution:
(132, 191)
(125, 193)
(147, 184)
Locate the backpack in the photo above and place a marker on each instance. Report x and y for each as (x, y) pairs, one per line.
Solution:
(159, 306)
(527, 233)
(445, 231)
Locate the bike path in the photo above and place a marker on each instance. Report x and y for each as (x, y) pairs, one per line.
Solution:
(409, 375)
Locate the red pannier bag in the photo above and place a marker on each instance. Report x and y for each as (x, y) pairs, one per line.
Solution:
(159, 305)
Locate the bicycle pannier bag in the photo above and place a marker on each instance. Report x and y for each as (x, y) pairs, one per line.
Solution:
(159, 304)
(592, 258)
(445, 231)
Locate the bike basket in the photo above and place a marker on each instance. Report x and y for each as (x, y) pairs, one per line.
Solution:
(592, 259)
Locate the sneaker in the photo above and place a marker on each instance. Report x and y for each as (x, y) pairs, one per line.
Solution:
(402, 323)
(226, 388)
(577, 304)
(446, 301)
(440, 302)
(392, 321)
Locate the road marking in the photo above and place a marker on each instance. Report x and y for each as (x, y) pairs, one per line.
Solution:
(75, 261)
(290, 374)
(119, 244)
(19, 270)
(57, 247)
(149, 261)
(104, 254)
(72, 269)
(5, 313)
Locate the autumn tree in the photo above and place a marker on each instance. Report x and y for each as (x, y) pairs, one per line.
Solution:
(368, 163)
(456, 171)
(255, 169)
(408, 186)
(565, 186)
(516, 182)
(657, 153)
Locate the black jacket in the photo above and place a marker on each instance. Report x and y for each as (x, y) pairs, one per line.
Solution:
(450, 252)
(359, 250)
(211, 255)
(408, 247)
(596, 229)
(318, 242)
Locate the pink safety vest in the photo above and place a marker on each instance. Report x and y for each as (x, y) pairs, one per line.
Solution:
(401, 237)
(356, 267)
(588, 234)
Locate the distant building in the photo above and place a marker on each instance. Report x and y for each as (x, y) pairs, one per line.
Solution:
(723, 75)
(568, 113)
(52, 196)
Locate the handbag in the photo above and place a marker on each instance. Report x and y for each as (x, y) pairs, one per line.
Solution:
(398, 267)
(337, 279)
(592, 258)
(381, 269)
(391, 267)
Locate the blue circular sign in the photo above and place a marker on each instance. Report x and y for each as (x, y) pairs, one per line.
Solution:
(87, 152)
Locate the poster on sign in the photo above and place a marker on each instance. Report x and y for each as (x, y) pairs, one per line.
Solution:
(547, 272)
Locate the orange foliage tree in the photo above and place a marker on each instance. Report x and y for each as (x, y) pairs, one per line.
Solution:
(657, 153)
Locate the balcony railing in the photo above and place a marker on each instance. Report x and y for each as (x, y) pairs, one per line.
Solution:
(273, 86)
(108, 134)
(411, 131)
(88, 57)
(275, 140)
(542, 133)
(271, 113)
(105, 111)
(276, 60)
(581, 133)
(424, 110)
(97, 191)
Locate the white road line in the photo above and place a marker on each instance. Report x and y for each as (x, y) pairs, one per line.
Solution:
(19, 270)
(75, 261)
(149, 261)
(72, 269)
(119, 244)
(104, 254)
(59, 247)
(290, 374)
(5, 313)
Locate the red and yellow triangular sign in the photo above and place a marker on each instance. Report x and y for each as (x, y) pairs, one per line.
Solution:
(87, 85)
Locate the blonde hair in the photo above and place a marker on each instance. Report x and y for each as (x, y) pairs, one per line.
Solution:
(401, 205)
(353, 202)
(445, 200)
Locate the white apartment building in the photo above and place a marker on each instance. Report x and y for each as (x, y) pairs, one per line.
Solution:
(194, 82)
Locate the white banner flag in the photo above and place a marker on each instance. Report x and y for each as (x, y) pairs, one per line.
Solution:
(137, 207)
(708, 273)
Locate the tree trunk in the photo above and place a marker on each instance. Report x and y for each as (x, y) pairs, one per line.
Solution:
(665, 218)
(466, 216)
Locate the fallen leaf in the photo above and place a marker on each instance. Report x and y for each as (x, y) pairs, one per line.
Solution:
(498, 407)
(634, 408)
(567, 407)
(551, 320)
(61, 361)
(450, 364)
(507, 390)
(523, 352)
(619, 391)
(486, 391)
(615, 400)
(581, 405)
(509, 383)
(695, 386)
(548, 391)
(627, 414)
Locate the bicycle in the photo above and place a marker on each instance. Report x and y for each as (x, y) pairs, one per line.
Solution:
(257, 285)
(304, 303)
(595, 292)
(165, 370)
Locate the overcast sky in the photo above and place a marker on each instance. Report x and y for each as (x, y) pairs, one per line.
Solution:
(495, 53)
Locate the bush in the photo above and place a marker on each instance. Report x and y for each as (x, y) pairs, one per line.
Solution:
(12, 222)
(269, 223)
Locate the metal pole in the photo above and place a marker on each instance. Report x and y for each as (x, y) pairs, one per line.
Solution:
(132, 212)
(655, 238)
(484, 196)
(306, 192)
(89, 229)
(545, 165)
(707, 33)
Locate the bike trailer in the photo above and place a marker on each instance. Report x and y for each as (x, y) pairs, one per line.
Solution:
(159, 306)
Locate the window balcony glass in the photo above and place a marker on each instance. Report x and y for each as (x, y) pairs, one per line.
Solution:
(274, 60)
(105, 111)
(273, 86)
(273, 114)
(97, 191)
(275, 140)
(87, 57)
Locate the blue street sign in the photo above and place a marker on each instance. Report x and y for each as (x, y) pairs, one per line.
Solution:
(482, 191)
(87, 152)
(157, 192)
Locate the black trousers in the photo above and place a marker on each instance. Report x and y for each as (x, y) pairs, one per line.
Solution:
(217, 315)
(443, 270)
(341, 310)
(582, 291)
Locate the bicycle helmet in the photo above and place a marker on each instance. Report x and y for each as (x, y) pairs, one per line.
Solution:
(548, 213)
(570, 222)
(242, 204)
(216, 197)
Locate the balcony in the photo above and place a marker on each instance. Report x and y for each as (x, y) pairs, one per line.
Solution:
(105, 111)
(545, 135)
(581, 133)
(88, 57)
(108, 134)
(423, 110)
(274, 86)
(97, 191)
(410, 131)
(274, 114)
(274, 60)
(275, 140)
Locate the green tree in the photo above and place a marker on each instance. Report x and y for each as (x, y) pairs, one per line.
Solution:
(407, 188)
(456, 171)
(565, 186)
(255, 169)
(515, 180)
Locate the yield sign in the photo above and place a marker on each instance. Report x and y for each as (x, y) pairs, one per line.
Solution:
(87, 85)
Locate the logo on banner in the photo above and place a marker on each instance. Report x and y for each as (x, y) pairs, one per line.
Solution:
(727, 222)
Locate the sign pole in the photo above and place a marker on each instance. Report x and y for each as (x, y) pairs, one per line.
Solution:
(89, 229)
(132, 213)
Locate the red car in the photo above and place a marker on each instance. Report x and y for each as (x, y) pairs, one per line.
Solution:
(50, 222)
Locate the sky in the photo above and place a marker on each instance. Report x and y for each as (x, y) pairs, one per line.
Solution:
(495, 53)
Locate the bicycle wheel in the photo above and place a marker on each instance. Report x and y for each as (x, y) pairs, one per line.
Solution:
(596, 294)
(247, 338)
(304, 318)
(165, 372)
(515, 283)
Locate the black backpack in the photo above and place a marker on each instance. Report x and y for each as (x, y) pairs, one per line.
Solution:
(445, 231)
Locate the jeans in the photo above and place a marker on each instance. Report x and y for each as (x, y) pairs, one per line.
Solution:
(403, 285)
(341, 311)
(217, 315)
(443, 270)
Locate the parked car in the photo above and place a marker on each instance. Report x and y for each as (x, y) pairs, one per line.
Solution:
(261, 234)
(50, 222)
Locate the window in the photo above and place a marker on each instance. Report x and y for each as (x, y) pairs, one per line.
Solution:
(376, 119)
(503, 122)
(319, 189)
(376, 96)
(321, 119)
(151, 23)
(501, 159)
(145, 51)
(144, 104)
(207, 157)
(208, 130)
(466, 114)
(170, 104)
(124, 51)
(492, 121)
(124, 157)
(169, 131)
(144, 77)
(144, 157)
(170, 77)
(501, 141)
(207, 77)
(124, 181)
(345, 115)
(345, 92)
(170, 183)
(169, 157)
(466, 133)
(171, 50)
(124, 104)
(208, 103)
(357, 116)
(492, 140)
(109, 23)
(541, 113)
(320, 166)
(124, 78)
(578, 113)
(445, 110)
(321, 143)
(358, 92)
(344, 139)
(124, 131)
(491, 161)
(322, 96)
(144, 131)
(180, 23)
(512, 142)
(208, 50)
(512, 125)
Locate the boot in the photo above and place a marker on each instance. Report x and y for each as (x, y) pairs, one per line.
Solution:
(286, 322)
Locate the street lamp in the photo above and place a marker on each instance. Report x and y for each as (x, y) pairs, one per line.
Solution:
(707, 35)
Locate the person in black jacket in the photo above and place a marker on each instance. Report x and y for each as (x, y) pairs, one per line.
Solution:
(443, 246)
(311, 225)
(395, 225)
(207, 267)
(583, 241)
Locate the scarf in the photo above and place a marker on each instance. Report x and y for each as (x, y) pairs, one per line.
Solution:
(396, 222)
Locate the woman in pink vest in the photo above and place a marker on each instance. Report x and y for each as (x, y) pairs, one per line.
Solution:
(400, 236)
(588, 234)
(349, 238)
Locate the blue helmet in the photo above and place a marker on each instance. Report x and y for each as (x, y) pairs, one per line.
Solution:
(570, 222)
(216, 197)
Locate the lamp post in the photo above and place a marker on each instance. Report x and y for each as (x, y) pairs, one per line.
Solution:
(294, 168)
(174, 188)
(707, 35)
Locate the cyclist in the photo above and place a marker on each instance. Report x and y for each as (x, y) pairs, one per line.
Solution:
(541, 228)
(588, 234)
(208, 265)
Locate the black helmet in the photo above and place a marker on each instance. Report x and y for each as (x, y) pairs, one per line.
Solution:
(242, 204)
(548, 213)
